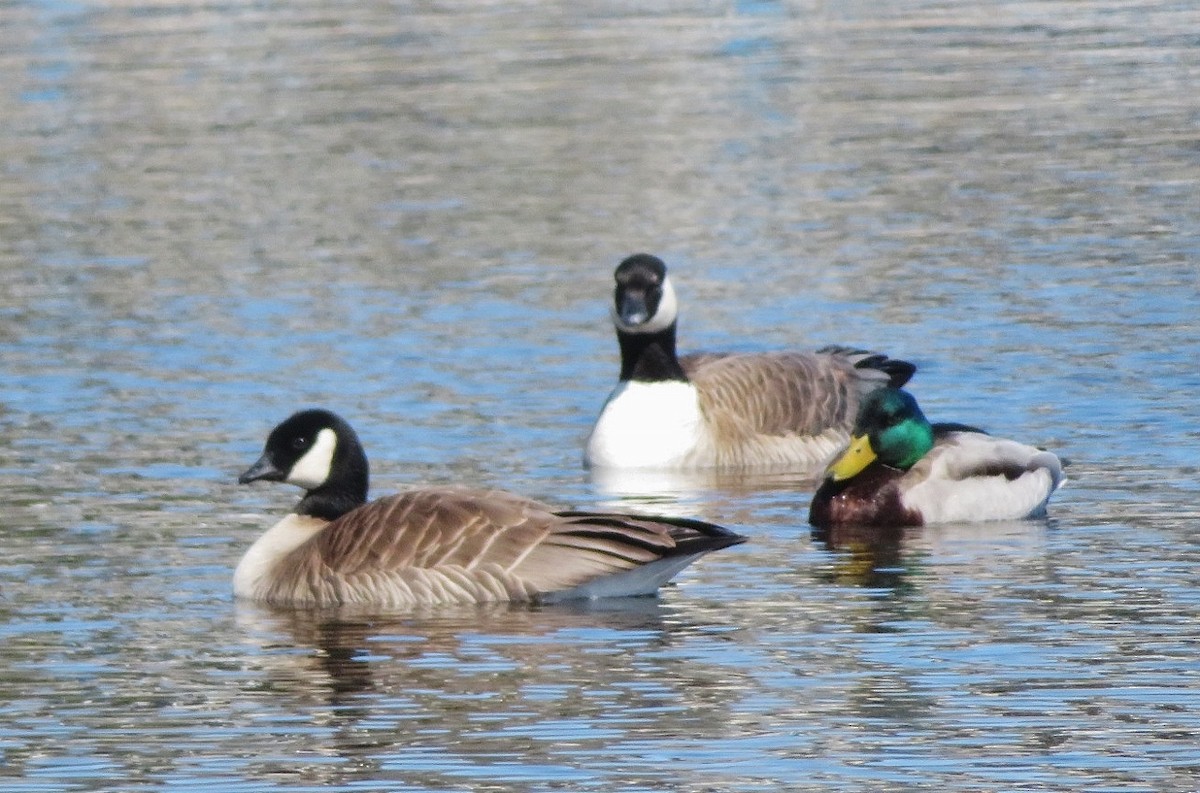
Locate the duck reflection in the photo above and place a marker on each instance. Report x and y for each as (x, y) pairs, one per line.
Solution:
(892, 557)
(867, 556)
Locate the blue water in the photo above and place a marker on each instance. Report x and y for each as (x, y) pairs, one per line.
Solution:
(212, 216)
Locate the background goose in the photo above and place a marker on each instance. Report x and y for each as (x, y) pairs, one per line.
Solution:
(787, 410)
(901, 470)
(441, 545)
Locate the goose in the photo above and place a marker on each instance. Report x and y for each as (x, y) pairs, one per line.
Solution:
(781, 411)
(900, 470)
(441, 545)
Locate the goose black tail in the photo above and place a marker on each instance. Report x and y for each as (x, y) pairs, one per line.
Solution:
(898, 372)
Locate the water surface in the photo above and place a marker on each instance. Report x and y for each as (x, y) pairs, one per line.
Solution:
(213, 215)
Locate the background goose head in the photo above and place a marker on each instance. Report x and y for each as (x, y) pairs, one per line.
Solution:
(644, 312)
(318, 451)
(644, 299)
(890, 428)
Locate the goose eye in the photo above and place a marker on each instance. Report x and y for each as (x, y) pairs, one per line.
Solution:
(299, 443)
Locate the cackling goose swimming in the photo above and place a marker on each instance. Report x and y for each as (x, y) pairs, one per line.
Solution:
(441, 545)
(764, 411)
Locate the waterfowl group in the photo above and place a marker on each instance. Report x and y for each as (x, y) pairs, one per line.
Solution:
(791, 411)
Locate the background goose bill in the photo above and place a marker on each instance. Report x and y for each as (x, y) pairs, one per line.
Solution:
(633, 306)
(645, 309)
(264, 469)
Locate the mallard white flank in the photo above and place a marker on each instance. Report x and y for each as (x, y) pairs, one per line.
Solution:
(773, 411)
(441, 545)
(900, 470)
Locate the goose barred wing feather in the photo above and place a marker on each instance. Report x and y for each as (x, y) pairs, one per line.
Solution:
(779, 393)
(585, 547)
(497, 533)
(431, 528)
(694, 360)
(580, 549)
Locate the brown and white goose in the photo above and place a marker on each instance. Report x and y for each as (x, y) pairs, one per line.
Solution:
(764, 411)
(441, 546)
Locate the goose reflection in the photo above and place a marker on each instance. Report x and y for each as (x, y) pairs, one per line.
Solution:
(475, 665)
(690, 492)
(355, 651)
(496, 684)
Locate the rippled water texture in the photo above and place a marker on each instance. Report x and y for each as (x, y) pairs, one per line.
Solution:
(214, 214)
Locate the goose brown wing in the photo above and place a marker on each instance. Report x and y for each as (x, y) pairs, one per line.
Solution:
(476, 529)
(433, 527)
(777, 393)
(583, 546)
(694, 360)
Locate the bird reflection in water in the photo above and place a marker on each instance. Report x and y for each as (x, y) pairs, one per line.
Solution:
(348, 653)
(866, 556)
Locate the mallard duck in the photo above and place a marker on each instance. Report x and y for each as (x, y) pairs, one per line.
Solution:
(767, 411)
(901, 470)
(441, 545)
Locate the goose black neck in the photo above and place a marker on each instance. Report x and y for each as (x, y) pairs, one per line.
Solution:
(650, 357)
(343, 491)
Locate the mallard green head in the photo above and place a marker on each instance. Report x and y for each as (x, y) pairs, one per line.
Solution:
(890, 428)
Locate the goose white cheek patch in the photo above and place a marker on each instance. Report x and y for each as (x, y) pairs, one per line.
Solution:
(311, 470)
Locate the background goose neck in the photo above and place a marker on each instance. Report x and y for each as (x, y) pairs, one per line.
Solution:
(650, 357)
